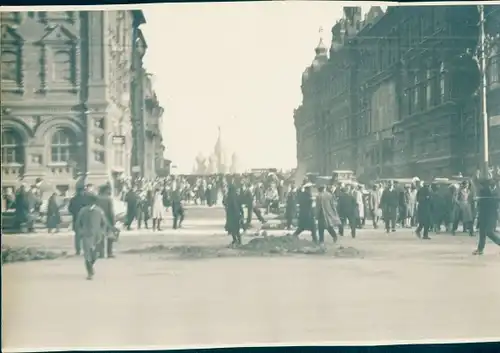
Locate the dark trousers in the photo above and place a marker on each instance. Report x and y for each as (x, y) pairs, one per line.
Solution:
(290, 215)
(131, 215)
(390, 220)
(352, 224)
(109, 247)
(300, 229)
(375, 219)
(321, 230)
(77, 239)
(490, 233)
(90, 261)
(468, 226)
(178, 213)
(425, 226)
(142, 216)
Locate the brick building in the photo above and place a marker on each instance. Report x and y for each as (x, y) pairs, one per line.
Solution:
(66, 95)
(397, 96)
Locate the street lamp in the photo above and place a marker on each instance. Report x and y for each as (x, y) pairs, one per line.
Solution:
(483, 94)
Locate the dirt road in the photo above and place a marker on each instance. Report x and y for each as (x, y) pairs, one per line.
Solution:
(402, 289)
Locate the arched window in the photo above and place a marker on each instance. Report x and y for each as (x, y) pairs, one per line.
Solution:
(12, 148)
(62, 66)
(62, 146)
(9, 66)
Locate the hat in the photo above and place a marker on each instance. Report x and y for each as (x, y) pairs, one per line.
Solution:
(308, 185)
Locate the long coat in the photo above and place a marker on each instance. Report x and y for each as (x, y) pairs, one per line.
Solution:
(306, 211)
(389, 203)
(327, 209)
(53, 213)
(92, 225)
(158, 207)
(232, 207)
(22, 206)
(291, 204)
(424, 210)
(487, 207)
(347, 206)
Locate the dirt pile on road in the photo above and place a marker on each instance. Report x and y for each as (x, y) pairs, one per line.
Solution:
(23, 254)
(282, 245)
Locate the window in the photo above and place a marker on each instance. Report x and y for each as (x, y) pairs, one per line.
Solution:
(119, 156)
(62, 146)
(62, 66)
(9, 68)
(11, 147)
(428, 88)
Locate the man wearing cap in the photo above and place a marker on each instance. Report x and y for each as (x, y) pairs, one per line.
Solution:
(92, 226)
(487, 204)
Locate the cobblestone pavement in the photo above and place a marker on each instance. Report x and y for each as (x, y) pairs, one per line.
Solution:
(403, 289)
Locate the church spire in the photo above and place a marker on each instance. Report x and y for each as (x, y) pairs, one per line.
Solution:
(321, 47)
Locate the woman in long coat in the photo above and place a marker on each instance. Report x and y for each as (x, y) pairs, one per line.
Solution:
(327, 215)
(159, 211)
(53, 214)
(306, 219)
(233, 214)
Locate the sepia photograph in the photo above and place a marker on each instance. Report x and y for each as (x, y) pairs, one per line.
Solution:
(276, 173)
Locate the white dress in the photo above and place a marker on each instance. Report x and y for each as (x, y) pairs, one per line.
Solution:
(159, 210)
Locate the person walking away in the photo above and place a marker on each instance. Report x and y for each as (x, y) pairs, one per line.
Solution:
(306, 219)
(463, 210)
(326, 214)
(347, 210)
(158, 211)
(232, 207)
(389, 203)
(438, 208)
(53, 214)
(487, 207)
(132, 201)
(374, 205)
(424, 211)
(360, 207)
(177, 207)
(105, 202)
(291, 206)
(92, 226)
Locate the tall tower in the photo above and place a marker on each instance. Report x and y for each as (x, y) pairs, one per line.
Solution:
(219, 152)
(321, 51)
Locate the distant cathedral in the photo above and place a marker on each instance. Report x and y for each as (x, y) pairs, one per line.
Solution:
(216, 162)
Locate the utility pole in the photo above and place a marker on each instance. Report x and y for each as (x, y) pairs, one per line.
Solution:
(483, 95)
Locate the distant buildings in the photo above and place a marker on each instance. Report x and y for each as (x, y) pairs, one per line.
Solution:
(72, 85)
(396, 94)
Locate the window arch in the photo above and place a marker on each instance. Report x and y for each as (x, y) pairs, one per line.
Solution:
(62, 146)
(9, 66)
(62, 66)
(12, 148)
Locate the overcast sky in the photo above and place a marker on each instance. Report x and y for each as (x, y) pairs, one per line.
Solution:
(237, 65)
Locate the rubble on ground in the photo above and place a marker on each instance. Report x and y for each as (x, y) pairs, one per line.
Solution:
(24, 254)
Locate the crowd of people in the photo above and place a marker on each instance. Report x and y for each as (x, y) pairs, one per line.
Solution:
(312, 206)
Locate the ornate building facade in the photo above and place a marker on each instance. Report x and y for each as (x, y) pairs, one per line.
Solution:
(397, 96)
(66, 95)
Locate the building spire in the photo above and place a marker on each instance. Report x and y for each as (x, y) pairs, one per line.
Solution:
(321, 47)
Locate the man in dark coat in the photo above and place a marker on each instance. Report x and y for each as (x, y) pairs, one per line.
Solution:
(306, 219)
(233, 214)
(291, 206)
(132, 201)
(76, 203)
(424, 211)
(389, 203)
(22, 208)
(347, 207)
(105, 202)
(246, 197)
(487, 207)
(326, 214)
(92, 226)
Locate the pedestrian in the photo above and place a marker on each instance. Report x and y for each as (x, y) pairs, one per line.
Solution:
(291, 206)
(389, 203)
(53, 214)
(424, 211)
(177, 207)
(374, 205)
(326, 214)
(487, 206)
(232, 207)
(347, 208)
(92, 226)
(132, 201)
(105, 202)
(306, 219)
(76, 203)
(158, 209)
(463, 209)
